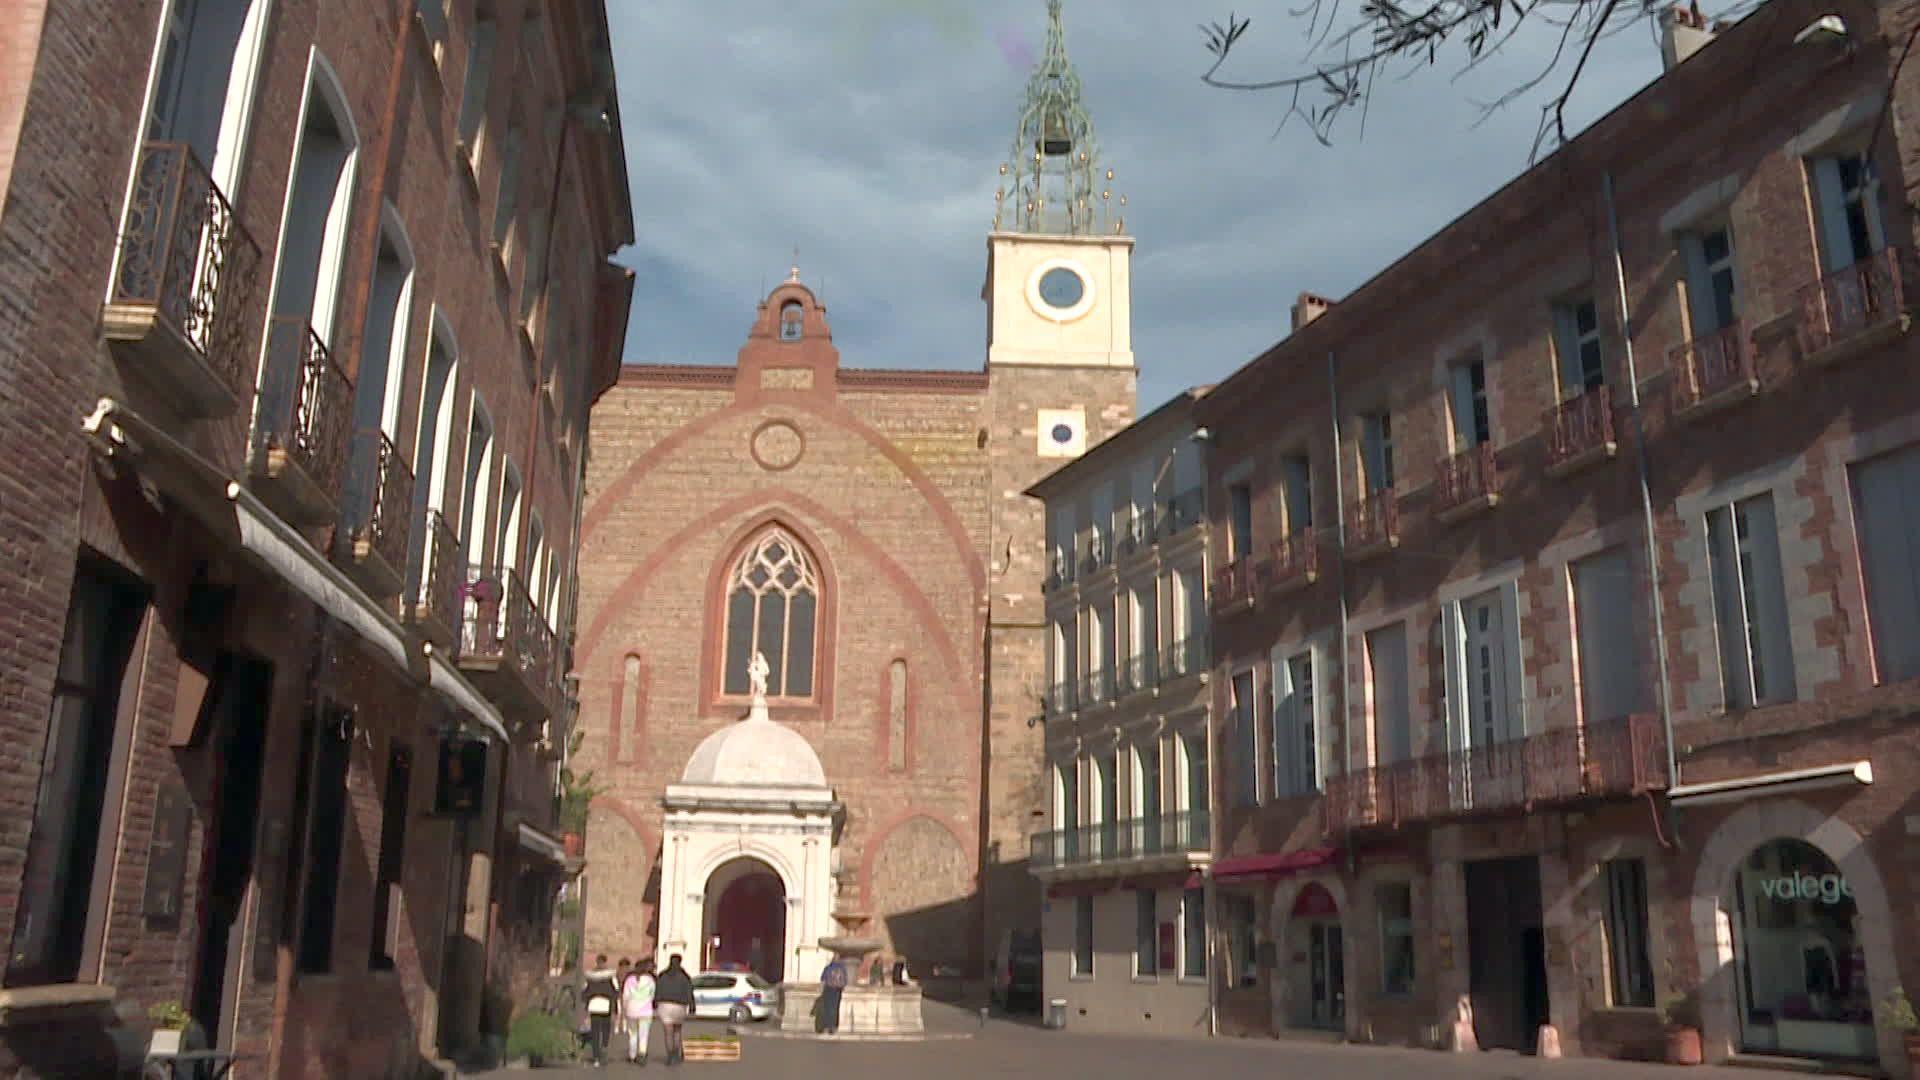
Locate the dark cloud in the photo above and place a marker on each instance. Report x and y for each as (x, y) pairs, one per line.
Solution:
(868, 133)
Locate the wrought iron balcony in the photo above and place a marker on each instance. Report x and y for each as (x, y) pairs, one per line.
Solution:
(1296, 561)
(1187, 656)
(1864, 305)
(1373, 525)
(1059, 571)
(1062, 698)
(1233, 585)
(1615, 759)
(1096, 687)
(1714, 370)
(1183, 512)
(300, 432)
(379, 495)
(1580, 432)
(1099, 555)
(1182, 834)
(1466, 483)
(176, 313)
(1140, 672)
(506, 648)
(436, 578)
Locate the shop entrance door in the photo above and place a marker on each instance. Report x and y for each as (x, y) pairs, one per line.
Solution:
(1506, 953)
(1326, 966)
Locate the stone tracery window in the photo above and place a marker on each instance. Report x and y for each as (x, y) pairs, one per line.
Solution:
(773, 599)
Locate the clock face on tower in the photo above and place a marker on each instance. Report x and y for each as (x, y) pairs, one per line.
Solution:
(1061, 288)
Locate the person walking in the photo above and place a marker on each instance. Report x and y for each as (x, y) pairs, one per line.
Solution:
(636, 1005)
(602, 994)
(672, 1001)
(833, 980)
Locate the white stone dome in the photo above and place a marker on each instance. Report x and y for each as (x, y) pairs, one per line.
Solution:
(755, 752)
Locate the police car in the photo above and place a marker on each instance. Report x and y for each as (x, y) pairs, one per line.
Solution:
(738, 996)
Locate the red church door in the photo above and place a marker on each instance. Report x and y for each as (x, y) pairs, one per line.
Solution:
(750, 921)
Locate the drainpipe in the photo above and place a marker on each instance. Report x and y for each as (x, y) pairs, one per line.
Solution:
(1644, 469)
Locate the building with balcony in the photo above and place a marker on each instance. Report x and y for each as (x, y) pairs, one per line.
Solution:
(292, 426)
(1563, 626)
(1128, 841)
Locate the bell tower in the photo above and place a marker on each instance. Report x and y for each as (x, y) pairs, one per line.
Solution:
(1058, 287)
(1060, 378)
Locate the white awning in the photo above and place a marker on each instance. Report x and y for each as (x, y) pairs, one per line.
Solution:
(1749, 787)
(284, 552)
(540, 843)
(450, 684)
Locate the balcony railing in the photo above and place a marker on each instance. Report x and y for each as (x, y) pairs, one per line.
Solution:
(1139, 532)
(1184, 657)
(1096, 687)
(379, 495)
(1233, 585)
(1296, 560)
(187, 270)
(1140, 672)
(436, 579)
(1715, 369)
(1373, 524)
(505, 645)
(1184, 833)
(1062, 698)
(1565, 765)
(1857, 305)
(1098, 555)
(1580, 431)
(1466, 482)
(1059, 570)
(1183, 512)
(300, 433)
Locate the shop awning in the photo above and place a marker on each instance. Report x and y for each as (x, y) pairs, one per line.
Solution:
(1267, 866)
(453, 686)
(541, 844)
(1845, 774)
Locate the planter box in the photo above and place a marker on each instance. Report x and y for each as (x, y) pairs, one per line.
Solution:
(713, 1051)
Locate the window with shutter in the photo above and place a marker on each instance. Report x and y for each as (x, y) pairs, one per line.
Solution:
(1750, 605)
(1846, 200)
(1604, 634)
(1387, 675)
(1887, 509)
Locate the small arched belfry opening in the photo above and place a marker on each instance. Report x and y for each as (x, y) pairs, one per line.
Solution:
(772, 603)
(791, 316)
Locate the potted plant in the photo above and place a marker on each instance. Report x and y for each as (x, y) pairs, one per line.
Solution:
(170, 1022)
(577, 791)
(1681, 1030)
(541, 1038)
(1897, 1013)
(712, 1048)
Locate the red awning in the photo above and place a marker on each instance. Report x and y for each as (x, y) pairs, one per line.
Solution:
(1267, 866)
(1171, 879)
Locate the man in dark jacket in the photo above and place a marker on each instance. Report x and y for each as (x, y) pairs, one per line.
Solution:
(603, 1000)
(833, 982)
(672, 1001)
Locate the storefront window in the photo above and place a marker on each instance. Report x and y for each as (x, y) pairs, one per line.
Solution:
(1395, 900)
(1803, 979)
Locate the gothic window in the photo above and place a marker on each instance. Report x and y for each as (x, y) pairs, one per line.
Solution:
(790, 321)
(773, 596)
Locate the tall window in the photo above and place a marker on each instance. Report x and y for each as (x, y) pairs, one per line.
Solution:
(1750, 604)
(1603, 630)
(1194, 796)
(1482, 637)
(103, 618)
(1083, 935)
(1711, 286)
(1847, 198)
(1395, 901)
(473, 92)
(197, 77)
(1146, 929)
(1376, 451)
(1239, 520)
(1472, 426)
(1240, 740)
(1295, 771)
(773, 596)
(1576, 333)
(1630, 975)
(1388, 676)
(1296, 477)
(1193, 932)
(1887, 494)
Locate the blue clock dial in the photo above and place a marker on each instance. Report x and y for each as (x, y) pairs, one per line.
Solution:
(1061, 287)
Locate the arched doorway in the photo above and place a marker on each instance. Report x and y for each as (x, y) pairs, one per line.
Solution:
(746, 919)
(1800, 966)
(1316, 961)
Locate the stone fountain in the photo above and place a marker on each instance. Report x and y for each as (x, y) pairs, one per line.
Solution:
(867, 1009)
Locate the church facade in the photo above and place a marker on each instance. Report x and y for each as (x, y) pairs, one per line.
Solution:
(863, 528)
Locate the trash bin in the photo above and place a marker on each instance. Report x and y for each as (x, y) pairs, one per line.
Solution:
(1057, 1013)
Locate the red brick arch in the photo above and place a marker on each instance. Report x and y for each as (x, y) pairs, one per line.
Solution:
(886, 828)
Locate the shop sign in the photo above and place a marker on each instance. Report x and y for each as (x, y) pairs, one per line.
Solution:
(1826, 888)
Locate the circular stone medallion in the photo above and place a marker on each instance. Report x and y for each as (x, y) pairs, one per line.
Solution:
(777, 445)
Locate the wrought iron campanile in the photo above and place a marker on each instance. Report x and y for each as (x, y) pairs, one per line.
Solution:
(1053, 182)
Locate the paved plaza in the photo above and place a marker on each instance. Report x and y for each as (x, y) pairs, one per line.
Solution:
(1004, 1048)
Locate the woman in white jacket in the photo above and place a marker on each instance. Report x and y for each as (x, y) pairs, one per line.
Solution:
(636, 1004)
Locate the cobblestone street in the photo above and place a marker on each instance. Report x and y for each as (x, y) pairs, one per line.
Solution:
(1005, 1048)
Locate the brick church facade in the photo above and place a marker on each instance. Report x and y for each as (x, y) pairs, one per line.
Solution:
(865, 529)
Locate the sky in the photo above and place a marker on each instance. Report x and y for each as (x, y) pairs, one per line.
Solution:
(868, 135)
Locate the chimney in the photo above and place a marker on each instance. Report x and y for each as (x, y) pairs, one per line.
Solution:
(1683, 32)
(1308, 308)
